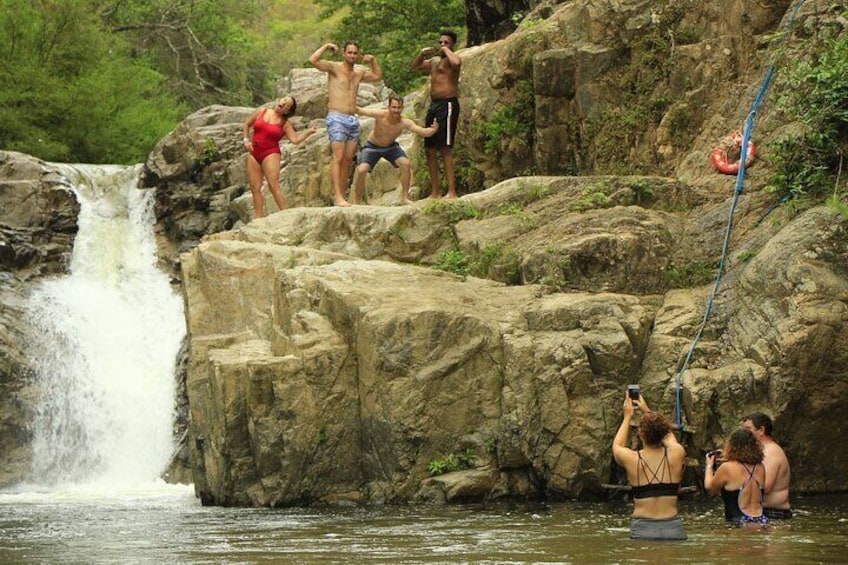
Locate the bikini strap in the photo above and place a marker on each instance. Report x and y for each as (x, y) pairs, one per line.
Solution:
(651, 474)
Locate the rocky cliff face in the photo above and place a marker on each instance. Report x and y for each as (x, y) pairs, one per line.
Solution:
(326, 364)
(37, 224)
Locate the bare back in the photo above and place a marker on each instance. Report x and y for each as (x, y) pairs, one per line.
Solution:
(668, 465)
(777, 475)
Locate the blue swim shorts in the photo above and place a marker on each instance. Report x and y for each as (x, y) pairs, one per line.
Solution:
(372, 154)
(342, 127)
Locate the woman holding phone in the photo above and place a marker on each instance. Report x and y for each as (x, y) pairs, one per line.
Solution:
(740, 479)
(654, 472)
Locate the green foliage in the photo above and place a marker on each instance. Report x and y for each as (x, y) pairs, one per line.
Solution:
(205, 49)
(69, 92)
(837, 205)
(395, 31)
(746, 256)
(697, 273)
(205, 157)
(593, 196)
(452, 462)
(511, 123)
(103, 80)
(536, 192)
(468, 175)
(208, 154)
(453, 261)
(497, 262)
(286, 35)
(612, 134)
(506, 209)
(452, 211)
(642, 190)
(614, 137)
(815, 96)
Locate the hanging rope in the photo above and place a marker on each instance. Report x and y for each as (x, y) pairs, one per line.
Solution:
(740, 179)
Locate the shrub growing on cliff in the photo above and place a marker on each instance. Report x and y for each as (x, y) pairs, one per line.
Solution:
(453, 261)
(453, 212)
(816, 98)
(452, 462)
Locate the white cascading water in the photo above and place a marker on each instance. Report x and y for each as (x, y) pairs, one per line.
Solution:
(107, 337)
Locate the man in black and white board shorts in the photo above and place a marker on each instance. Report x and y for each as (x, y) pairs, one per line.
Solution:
(443, 65)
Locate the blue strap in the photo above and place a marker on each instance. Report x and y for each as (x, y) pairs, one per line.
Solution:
(740, 179)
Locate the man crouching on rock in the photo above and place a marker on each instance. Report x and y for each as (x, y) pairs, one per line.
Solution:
(382, 144)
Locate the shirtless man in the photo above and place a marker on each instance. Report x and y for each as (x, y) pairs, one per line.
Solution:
(382, 144)
(443, 66)
(343, 80)
(776, 504)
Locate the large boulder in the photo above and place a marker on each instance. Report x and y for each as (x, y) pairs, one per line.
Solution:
(200, 168)
(38, 214)
(622, 87)
(361, 373)
(327, 365)
(309, 87)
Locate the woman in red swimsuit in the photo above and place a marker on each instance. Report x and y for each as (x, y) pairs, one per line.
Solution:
(270, 126)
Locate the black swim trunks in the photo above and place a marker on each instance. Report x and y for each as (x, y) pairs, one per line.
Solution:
(777, 513)
(446, 112)
(371, 154)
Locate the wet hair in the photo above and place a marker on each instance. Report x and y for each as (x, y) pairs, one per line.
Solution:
(653, 427)
(350, 42)
(760, 420)
(395, 96)
(450, 34)
(744, 447)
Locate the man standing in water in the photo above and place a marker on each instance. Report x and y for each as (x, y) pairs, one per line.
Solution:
(343, 80)
(443, 67)
(776, 504)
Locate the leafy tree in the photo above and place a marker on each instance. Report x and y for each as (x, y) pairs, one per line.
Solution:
(815, 96)
(71, 93)
(395, 31)
(203, 47)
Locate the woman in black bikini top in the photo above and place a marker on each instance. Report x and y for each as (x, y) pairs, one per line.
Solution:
(654, 473)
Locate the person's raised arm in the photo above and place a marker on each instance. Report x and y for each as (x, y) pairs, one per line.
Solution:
(318, 62)
(418, 130)
(374, 72)
(368, 112)
(453, 58)
(620, 451)
(714, 480)
(293, 136)
(421, 62)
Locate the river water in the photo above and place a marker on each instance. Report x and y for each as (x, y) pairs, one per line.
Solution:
(165, 524)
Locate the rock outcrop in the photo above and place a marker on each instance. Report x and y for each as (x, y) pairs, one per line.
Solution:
(37, 224)
(327, 365)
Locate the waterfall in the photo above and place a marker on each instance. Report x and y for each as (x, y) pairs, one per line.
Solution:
(107, 337)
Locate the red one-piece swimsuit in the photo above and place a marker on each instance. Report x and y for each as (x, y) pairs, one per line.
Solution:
(266, 137)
